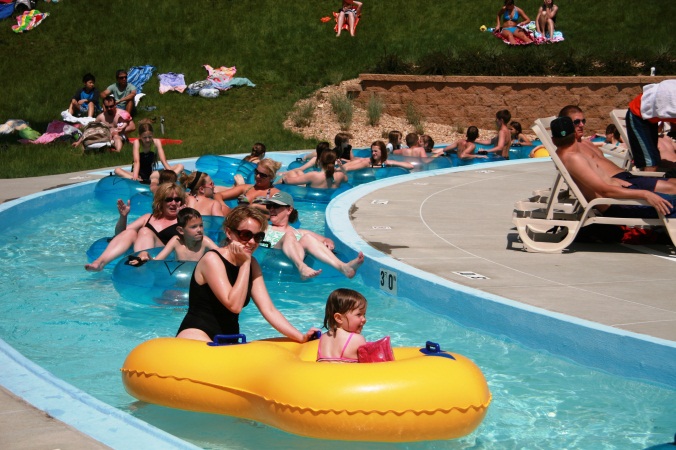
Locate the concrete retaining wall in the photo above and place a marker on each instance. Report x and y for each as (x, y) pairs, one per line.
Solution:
(465, 101)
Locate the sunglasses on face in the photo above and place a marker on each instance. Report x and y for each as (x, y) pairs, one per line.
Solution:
(173, 199)
(580, 121)
(246, 235)
(122, 78)
(261, 174)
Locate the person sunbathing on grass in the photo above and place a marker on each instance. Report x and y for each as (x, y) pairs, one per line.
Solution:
(350, 10)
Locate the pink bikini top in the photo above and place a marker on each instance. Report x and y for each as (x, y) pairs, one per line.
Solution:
(340, 358)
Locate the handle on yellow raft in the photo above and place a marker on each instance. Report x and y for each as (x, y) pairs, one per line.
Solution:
(434, 349)
(227, 339)
(316, 335)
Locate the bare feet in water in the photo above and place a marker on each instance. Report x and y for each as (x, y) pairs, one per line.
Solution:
(96, 266)
(308, 272)
(349, 269)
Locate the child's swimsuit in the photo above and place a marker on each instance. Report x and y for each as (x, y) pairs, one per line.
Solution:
(166, 234)
(206, 312)
(147, 164)
(340, 358)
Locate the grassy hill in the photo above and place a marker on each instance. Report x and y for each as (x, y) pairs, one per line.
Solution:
(283, 48)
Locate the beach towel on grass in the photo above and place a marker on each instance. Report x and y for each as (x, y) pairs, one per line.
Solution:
(346, 24)
(139, 75)
(171, 82)
(29, 20)
(55, 130)
(220, 77)
(534, 35)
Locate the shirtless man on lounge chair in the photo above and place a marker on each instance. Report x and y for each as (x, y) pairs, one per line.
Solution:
(612, 173)
(594, 183)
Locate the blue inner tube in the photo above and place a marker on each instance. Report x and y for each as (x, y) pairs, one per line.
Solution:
(96, 249)
(165, 282)
(222, 169)
(312, 195)
(368, 174)
(421, 164)
(111, 188)
(276, 266)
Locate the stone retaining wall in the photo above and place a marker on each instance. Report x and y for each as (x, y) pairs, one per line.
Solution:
(465, 101)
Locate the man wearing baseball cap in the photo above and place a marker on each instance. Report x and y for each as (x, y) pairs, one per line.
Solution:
(591, 179)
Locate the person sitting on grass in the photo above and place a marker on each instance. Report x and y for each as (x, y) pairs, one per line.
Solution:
(190, 243)
(122, 92)
(546, 19)
(510, 17)
(117, 120)
(85, 102)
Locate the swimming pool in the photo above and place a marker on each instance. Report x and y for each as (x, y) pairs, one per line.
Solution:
(74, 324)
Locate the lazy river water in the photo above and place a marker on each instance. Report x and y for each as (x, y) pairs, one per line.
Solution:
(76, 325)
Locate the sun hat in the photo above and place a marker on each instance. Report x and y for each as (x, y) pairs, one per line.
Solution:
(562, 127)
(280, 198)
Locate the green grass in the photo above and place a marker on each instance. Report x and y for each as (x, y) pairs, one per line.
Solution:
(285, 50)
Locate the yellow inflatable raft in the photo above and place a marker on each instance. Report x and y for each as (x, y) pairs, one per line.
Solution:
(425, 394)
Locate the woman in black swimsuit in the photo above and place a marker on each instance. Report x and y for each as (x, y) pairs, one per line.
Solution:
(148, 231)
(226, 279)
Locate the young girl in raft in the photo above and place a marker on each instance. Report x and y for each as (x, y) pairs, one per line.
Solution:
(190, 244)
(144, 168)
(344, 318)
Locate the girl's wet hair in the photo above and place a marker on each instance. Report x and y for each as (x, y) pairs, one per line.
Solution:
(328, 163)
(341, 301)
(517, 127)
(472, 133)
(383, 151)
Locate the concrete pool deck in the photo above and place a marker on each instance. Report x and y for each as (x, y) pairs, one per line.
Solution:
(458, 227)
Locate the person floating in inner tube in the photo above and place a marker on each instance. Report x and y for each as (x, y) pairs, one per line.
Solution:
(296, 243)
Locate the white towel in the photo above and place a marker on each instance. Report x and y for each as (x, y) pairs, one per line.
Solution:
(659, 100)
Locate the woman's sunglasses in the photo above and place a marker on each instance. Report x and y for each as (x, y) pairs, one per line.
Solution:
(580, 121)
(173, 199)
(258, 173)
(246, 235)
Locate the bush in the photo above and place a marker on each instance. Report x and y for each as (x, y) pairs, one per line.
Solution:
(343, 109)
(302, 115)
(375, 109)
(415, 118)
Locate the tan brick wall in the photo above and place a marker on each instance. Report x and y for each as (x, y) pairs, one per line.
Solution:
(465, 101)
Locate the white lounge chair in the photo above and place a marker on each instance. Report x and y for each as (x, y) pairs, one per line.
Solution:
(553, 226)
(619, 119)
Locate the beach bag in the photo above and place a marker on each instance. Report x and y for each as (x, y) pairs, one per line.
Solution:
(96, 135)
(378, 351)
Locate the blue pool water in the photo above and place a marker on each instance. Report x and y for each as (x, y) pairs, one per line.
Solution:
(75, 325)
